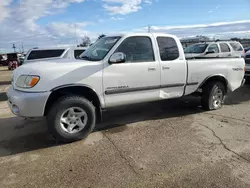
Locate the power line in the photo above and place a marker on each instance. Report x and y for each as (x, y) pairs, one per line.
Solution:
(149, 29)
(14, 47)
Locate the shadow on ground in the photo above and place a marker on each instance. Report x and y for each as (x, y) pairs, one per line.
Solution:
(150, 111)
(239, 96)
(5, 83)
(18, 135)
(3, 97)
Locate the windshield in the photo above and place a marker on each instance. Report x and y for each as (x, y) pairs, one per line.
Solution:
(196, 48)
(100, 49)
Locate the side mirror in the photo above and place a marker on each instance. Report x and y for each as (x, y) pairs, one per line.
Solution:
(117, 57)
(210, 52)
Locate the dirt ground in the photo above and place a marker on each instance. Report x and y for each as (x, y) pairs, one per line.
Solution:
(162, 144)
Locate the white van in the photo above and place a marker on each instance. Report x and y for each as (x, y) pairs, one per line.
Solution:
(53, 53)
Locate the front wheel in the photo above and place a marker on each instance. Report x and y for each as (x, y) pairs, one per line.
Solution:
(213, 95)
(71, 118)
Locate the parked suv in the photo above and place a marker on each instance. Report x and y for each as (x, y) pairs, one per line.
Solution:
(53, 53)
(214, 49)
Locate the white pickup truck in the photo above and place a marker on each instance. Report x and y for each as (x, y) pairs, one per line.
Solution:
(117, 70)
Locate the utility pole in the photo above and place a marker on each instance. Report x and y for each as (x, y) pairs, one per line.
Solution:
(75, 35)
(14, 47)
(149, 28)
(22, 48)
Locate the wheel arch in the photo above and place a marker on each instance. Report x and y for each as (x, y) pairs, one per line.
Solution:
(217, 77)
(74, 89)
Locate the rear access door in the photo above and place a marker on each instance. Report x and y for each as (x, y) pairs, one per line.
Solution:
(173, 66)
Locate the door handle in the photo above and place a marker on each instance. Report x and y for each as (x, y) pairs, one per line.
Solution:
(151, 69)
(165, 68)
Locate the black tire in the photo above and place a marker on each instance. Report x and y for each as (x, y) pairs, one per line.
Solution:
(208, 92)
(56, 111)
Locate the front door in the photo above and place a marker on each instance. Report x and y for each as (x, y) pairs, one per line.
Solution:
(138, 78)
(213, 47)
(173, 68)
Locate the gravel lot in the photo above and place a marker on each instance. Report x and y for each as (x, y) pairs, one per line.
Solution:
(162, 144)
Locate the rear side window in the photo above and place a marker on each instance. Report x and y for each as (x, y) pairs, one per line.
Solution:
(42, 54)
(77, 53)
(236, 46)
(224, 47)
(168, 48)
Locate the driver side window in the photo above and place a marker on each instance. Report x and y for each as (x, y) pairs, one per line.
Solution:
(214, 47)
(137, 49)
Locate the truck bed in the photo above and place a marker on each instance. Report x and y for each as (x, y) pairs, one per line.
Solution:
(201, 69)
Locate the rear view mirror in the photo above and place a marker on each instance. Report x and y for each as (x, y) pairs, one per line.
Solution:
(210, 52)
(117, 57)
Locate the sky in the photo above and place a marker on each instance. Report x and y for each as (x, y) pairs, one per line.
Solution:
(47, 23)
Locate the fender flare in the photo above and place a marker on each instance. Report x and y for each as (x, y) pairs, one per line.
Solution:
(102, 105)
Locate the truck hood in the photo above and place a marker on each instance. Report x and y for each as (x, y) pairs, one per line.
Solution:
(55, 73)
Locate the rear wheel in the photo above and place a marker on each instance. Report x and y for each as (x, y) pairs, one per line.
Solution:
(72, 118)
(213, 95)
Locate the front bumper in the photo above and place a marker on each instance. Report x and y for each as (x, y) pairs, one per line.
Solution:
(26, 104)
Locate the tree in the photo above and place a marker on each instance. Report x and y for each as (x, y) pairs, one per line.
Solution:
(235, 39)
(85, 42)
(202, 38)
(101, 36)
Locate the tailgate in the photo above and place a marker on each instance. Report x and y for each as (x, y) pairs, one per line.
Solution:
(236, 74)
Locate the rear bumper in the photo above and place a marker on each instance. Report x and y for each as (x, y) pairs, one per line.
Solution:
(27, 104)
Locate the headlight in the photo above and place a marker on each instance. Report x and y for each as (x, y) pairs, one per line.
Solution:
(27, 81)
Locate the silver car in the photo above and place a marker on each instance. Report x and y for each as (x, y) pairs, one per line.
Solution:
(214, 49)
